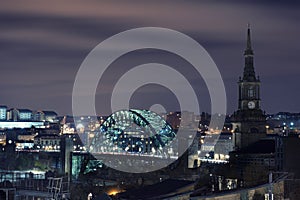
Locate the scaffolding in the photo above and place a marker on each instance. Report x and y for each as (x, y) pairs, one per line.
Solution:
(29, 186)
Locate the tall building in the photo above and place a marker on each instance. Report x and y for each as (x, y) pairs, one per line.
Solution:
(249, 120)
(15, 114)
(254, 153)
(25, 114)
(48, 116)
(3, 110)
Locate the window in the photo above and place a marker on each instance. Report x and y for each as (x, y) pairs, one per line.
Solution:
(250, 92)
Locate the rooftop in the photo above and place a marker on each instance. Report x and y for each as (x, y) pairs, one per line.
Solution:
(159, 189)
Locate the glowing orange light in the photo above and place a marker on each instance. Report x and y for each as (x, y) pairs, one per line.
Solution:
(113, 192)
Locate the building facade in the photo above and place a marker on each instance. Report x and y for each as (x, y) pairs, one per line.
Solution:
(3, 111)
(15, 114)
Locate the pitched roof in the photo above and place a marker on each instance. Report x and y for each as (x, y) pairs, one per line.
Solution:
(156, 190)
(24, 110)
(46, 112)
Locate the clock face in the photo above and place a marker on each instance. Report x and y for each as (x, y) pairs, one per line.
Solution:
(251, 104)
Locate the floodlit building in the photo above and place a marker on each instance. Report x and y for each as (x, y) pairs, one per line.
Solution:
(223, 146)
(48, 116)
(15, 114)
(16, 124)
(3, 115)
(47, 142)
(25, 115)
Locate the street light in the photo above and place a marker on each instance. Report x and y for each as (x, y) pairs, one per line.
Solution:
(90, 196)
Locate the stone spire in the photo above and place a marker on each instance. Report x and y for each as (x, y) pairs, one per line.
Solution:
(248, 50)
(249, 73)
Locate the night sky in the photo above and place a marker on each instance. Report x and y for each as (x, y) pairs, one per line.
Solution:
(43, 43)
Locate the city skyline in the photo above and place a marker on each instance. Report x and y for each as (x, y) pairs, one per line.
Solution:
(42, 46)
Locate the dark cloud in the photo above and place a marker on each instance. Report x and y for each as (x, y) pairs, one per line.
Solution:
(42, 44)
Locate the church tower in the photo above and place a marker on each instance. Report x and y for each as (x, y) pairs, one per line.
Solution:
(249, 120)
